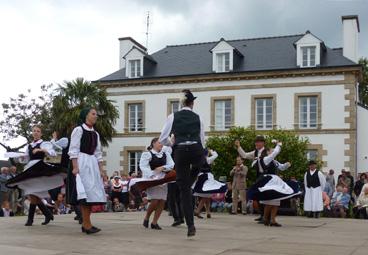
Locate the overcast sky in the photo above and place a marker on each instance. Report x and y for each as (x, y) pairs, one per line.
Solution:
(51, 41)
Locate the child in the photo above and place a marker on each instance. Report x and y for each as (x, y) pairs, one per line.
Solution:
(5, 210)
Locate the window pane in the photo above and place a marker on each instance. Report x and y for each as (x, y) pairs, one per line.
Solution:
(220, 67)
(304, 56)
(135, 117)
(312, 56)
(227, 62)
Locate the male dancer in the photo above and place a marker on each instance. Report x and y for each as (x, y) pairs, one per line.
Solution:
(187, 128)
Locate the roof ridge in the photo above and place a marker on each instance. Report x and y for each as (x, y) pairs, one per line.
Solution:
(235, 40)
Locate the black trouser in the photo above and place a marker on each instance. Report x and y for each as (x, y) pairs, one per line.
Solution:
(188, 161)
(174, 202)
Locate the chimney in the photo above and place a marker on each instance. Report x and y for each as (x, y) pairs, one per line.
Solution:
(126, 44)
(350, 31)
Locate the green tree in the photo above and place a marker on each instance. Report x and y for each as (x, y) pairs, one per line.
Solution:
(363, 86)
(26, 110)
(72, 97)
(293, 150)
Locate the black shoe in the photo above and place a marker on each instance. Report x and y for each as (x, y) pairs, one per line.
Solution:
(177, 223)
(261, 221)
(198, 216)
(145, 223)
(92, 230)
(76, 218)
(275, 224)
(31, 213)
(45, 211)
(266, 223)
(155, 226)
(191, 231)
(259, 218)
(208, 216)
(316, 215)
(80, 221)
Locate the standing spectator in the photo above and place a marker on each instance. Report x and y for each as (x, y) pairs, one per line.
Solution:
(314, 184)
(340, 201)
(4, 191)
(239, 173)
(14, 194)
(6, 211)
(362, 203)
(350, 183)
(330, 179)
(359, 184)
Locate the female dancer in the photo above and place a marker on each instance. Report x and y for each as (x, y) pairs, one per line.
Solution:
(86, 155)
(271, 189)
(38, 177)
(206, 185)
(153, 164)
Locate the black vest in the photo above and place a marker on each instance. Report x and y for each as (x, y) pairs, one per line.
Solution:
(38, 155)
(186, 127)
(206, 168)
(65, 157)
(271, 168)
(88, 143)
(313, 180)
(156, 161)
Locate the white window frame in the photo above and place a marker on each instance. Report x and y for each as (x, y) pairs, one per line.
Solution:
(137, 72)
(134, 127)
(137, 156)
(308, 113)
(264, 114)
(308, 53)
(223, 125)
(172, 106)
(221, 67)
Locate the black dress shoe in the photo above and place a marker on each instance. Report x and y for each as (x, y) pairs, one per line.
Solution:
(208, 216)
(198, 216)
(261, 221)
(29, 223)
(80, 221)
(275, 224)
(266, 223)
(177, 223)
(191, 231)
(155, 226)
(145, 223)
(48, 219)
(232, 213)
(90, 231)
(259, 218)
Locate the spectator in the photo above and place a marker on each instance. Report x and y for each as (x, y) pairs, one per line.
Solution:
(326, 204)
(350, 181)
(14, 194)
(60, 206)
(229, 197)
(359, 184)
(117, 206)
(361, 209)
(239, 173)
(125, 191)
(218, 202)
(116, 189)
(340, 202)
(6, 211)
(4, 191)
(330, 178)
(329, 190)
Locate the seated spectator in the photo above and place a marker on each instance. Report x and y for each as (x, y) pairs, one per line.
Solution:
(144, 205)
(218, 202)
(6, 211)
(60, 205)
(361, 208)
(117, 187)
(359, 184)
(340, 202)
(117, 206)
(326, 204)
(124, 190)
(229, 198)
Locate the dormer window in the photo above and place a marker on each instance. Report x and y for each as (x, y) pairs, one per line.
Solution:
(134, 68)
(223, 62)
(309, 56)
(309, 50)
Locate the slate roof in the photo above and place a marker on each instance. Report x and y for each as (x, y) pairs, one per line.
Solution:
(260, 54)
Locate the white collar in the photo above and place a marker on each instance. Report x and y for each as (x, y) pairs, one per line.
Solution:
(157, 153)
(186, 108)
(87, 127)
(312, 171)
(33, 144)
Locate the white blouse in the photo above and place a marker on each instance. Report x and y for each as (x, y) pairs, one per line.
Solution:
(146, 157)
(75, 142)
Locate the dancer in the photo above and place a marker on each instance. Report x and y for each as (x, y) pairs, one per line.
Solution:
(188, 142)
(206, 185)
(270, 189)
(314, 183)
(86, 155)
(153, 163)
(259, 152)
(38, 177)
(239, 173)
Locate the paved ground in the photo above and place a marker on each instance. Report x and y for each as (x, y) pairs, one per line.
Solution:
(223, 234)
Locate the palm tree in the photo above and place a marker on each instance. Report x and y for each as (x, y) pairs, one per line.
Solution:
(72, 97)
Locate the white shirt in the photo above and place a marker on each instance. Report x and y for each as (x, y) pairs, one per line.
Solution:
(212, 158)
(267, 160)
(166, 130)
(75, 141)
(146, 157)
(44, 146)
